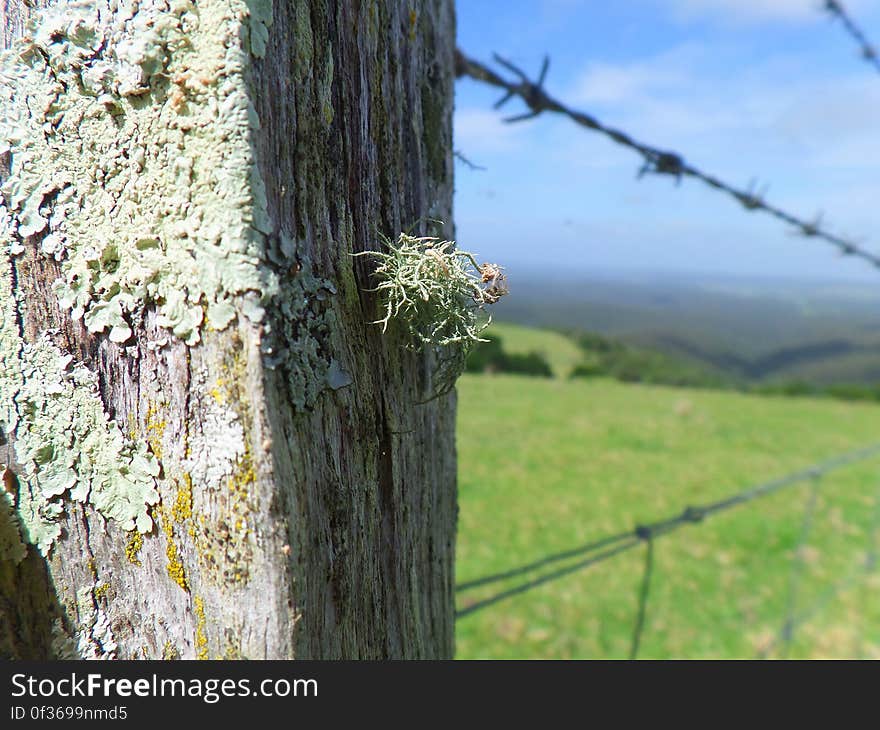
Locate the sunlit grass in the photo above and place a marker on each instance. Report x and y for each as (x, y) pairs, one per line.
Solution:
(545, 465)
(560, 352)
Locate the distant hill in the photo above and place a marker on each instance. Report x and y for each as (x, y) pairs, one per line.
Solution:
(755, 330)
(559, 351)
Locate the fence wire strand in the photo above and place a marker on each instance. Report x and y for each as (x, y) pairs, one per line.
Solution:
(666, 162)
(848, 582)
(799, 566)
(654, 160)
(554, 575)
(689, 515)
(602, 550)
(644, 590)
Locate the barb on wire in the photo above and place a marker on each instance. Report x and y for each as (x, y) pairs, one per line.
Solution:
(459, 155)
(647, 574)
(654, 160)
(628, 540)
(866, 49)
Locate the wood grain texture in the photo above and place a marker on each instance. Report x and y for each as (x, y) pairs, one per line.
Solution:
(336, 536)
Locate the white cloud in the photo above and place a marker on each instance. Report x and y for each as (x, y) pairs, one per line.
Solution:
(607, 83)
(484, 130)
(688, 99)
(752, 12)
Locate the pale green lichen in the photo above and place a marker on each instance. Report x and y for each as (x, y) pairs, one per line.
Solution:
(260, 20)
(437, 291)
(66, 445)
(71, 450)
(129, 129)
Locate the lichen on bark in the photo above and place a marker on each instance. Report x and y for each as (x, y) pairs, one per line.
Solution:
(128, 126)
(126, 131)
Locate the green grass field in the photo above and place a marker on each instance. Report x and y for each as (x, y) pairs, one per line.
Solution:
(560, 352)
(545, 465)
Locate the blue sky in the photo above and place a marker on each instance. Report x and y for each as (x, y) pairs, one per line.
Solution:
(744, 89)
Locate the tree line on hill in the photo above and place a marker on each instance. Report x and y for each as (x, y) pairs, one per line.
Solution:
(606, 357)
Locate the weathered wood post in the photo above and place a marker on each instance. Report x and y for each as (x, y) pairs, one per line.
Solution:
(212, 449)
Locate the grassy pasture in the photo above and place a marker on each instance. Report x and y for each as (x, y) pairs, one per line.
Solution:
(546, 465)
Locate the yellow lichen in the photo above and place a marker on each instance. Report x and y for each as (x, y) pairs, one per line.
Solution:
(155, 424)
(220, 391)
(201, 629)
(413, 17)
(170, 652)
(133, 547)
(174, 566)
(101, 590)
(132, 426)
(183, 500)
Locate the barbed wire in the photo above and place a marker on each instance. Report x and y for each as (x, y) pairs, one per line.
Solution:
(625, 541)
(835, 590)
(866, 49)
(654, 160)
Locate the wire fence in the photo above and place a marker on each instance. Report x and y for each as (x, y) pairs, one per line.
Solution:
(666, 162)
(602, 550)
(654, 160)
(867, 50)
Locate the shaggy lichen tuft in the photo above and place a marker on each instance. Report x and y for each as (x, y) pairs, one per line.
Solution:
(437, 291)
(439, 294)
